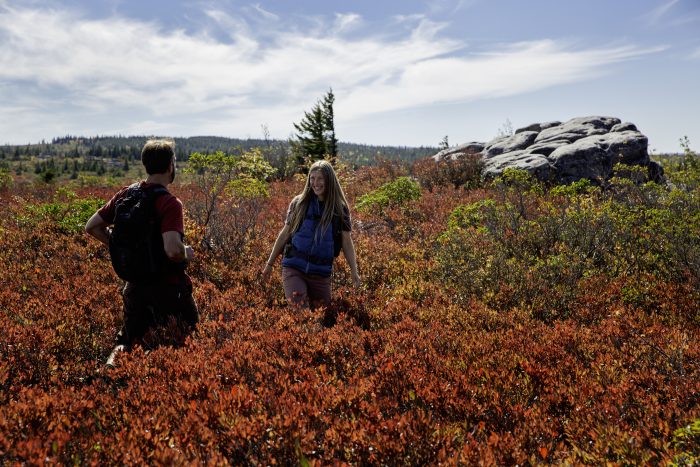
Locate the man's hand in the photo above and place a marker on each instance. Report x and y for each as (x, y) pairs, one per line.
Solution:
(98, 228)
(175, 250)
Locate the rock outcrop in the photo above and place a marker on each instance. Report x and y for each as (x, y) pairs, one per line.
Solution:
(584, 147)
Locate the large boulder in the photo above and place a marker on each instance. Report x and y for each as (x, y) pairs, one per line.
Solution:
(536, 164)
(626, 126)
(547, 148)
(509, 144)
(577, 128)
(583, 147)
(537, 127)
(459, 151)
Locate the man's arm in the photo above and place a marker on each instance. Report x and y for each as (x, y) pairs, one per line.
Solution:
(98, 228)
(175, 250)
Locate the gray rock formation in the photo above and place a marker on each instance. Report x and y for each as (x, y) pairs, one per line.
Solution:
(584, 147)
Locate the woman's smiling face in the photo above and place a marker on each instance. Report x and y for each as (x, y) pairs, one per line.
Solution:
(318, 183)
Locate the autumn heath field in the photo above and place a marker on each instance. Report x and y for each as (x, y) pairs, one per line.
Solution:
(498, 322)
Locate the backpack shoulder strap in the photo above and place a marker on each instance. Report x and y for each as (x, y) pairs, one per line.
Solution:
(132, 188)
(156, 191)
(152, 193)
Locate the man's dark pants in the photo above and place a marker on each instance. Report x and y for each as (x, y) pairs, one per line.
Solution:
(146, 306)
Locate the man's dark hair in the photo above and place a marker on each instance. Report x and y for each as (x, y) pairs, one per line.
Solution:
(157, 154)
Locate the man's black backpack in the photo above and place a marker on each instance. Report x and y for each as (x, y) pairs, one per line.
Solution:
(136, 243)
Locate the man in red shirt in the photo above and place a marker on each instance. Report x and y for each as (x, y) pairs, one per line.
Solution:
(169, 294)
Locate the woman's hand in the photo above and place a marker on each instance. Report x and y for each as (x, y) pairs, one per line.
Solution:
(356, 280)
(277, 248)
(266, 271)
(349, 252)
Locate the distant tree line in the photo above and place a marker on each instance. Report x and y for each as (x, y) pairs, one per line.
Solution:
(120, 148)
(50, 168)
(315, 139)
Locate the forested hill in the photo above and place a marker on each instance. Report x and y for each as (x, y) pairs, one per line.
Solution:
(119, 147)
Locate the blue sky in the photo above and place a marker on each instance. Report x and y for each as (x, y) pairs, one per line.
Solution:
(404, 72)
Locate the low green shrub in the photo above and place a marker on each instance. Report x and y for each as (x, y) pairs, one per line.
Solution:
(397, 193)
(687, 440)
(67, 213)
(5, 179)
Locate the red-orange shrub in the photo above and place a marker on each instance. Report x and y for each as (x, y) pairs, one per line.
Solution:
(396, 372)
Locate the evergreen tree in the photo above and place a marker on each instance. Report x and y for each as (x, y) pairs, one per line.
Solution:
(48, 175)
(444, 144)
(329, 125)
(315, 138)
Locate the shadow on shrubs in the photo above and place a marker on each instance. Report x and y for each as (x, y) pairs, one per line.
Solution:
(229, 194)
(464, 171)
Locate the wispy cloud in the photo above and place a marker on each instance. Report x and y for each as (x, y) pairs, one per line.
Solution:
(347, 21)
(118, 74)
(515, 69)
(408, 18)
(264, 13)
(462, 4)
(449, 6)
(655, 15)
(686, 20)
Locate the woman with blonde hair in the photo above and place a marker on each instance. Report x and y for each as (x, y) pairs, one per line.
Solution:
(316, 228)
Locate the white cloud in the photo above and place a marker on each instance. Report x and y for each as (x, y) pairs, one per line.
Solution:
(132, 73)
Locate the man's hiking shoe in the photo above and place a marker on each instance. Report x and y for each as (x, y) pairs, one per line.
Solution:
(112, 356)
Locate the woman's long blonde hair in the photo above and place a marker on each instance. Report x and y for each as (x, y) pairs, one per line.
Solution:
(334, 198)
